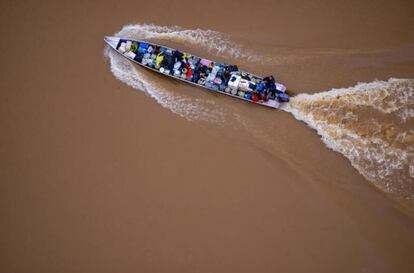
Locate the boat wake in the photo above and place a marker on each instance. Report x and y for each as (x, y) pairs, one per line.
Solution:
(210, 40)
(371, 124)
(189, 108)
(185, 106)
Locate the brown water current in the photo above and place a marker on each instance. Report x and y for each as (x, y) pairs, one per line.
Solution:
(370, 123)
(108, 167)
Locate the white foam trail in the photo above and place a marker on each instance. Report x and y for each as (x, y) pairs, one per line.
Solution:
(392, 96)
(189, 108)
(366, 123)
(378, 145)
(212, 41)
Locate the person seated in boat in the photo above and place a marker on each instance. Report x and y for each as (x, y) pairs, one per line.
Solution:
(255, 98)
(263, 96)
(196, 70)
(196, 76)
(245, 76)
(157, 50)
(269, 80)
(159, 59)
(139, 57)
(167, 61)
(260, 87)
(270, 85)
(204, 71)
(178, 56)
(228, 71)
(271, 91)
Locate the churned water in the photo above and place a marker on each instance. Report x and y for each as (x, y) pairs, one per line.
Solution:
(369, 123)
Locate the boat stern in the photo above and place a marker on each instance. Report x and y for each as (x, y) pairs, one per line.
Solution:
(272, 103)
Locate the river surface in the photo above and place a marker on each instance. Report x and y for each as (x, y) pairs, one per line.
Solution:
(108, 167)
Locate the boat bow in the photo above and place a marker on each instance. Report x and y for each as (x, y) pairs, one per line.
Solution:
(112, 41)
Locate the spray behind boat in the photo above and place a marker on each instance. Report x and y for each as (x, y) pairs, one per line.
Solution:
(370, 123)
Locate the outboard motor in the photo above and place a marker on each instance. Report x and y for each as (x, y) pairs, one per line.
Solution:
(280, 87)
(282, 97)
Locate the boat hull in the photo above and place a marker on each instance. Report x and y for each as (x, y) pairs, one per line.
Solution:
(114, 43)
